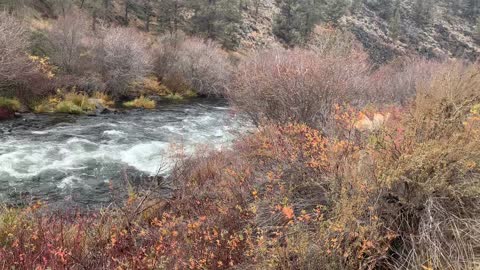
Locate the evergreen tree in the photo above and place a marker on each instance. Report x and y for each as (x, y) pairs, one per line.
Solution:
(477, 31)
(334, 10)
(296, 20)
(171, 15)
(395, 23)
(472, 8)
(385, 8)
(217, 19)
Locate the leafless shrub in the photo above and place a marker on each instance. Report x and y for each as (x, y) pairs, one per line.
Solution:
(13, 47)
(125, 58)
(296, 85)
(19, 75)
(397, 82)
(193, 64)
(67, 38)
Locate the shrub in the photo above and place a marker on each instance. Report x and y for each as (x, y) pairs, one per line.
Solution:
(19, 76)
(193, 64)
(9, 104)
(13, 46)
(68, 107)
(397, 82)
(125, 58)
(296, 85)
(67, 41)
(443, 103)
(432, 169)
(141, 102)
(71, 102)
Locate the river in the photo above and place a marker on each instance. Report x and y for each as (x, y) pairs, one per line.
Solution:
(59, 158)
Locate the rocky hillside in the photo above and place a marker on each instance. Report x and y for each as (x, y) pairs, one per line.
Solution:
(446, 35)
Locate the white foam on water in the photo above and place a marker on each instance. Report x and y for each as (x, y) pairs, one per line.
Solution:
(67, 182)
(113, 133)
(40, 132)
(91, 150)
(146, 157)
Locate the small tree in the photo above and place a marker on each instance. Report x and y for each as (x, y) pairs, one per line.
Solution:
(395, 23)
(477, 30)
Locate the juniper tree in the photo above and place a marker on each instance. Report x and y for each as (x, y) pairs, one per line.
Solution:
(395, 23)
(171, 15)
(216, 19)
(296, 20)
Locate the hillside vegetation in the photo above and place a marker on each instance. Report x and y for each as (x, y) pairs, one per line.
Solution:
(366, 155)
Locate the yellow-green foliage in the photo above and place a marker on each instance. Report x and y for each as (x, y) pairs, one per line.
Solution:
(9, 104)
(150, 86)
(104, 99)
(9, 219)
(174, 97)
(141, 102)
(177, 96)
(68, 107)
(72, 102)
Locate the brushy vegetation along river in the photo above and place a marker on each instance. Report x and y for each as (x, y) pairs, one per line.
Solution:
(60, 157)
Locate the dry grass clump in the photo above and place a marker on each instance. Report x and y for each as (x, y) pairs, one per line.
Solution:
(9, 104)
(70, 102)
(141, 102)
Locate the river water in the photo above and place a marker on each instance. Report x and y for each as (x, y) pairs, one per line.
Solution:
(59, 158)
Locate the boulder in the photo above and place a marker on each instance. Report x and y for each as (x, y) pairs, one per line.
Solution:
(99, 108)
